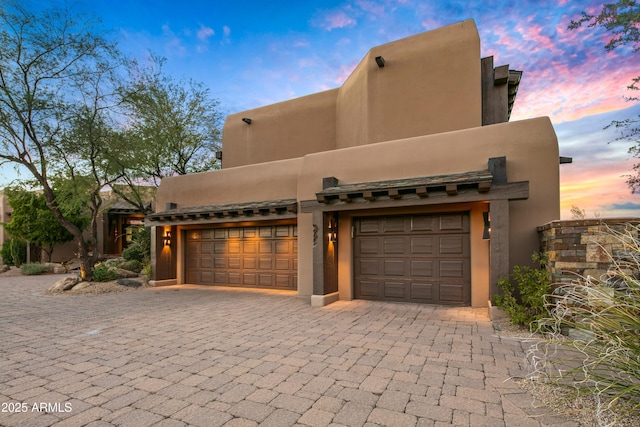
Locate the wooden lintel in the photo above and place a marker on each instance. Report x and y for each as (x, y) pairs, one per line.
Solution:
(344, 197)
(422, 192)
(368, 195)
(394, 194)
(484, 186)
(452, 189)
(501, 75)
(321, 198)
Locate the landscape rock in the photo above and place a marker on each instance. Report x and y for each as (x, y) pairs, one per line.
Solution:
(4, 268)
(81, 285)
(64, 284)
(59, 269)
(125, 274)
(129, 283)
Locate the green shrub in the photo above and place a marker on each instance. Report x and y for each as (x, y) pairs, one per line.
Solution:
(140, 247)
(103, 273)
(14, 252)
(533, 284)
(146, 269)
(34, 268)
(130, 265)
(133, 253)
(601, 316)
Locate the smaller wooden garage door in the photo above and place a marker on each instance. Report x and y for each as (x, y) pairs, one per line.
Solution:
(260, 257)
(416, 258)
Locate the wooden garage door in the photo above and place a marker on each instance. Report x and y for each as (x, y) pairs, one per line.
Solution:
(261, 257)
(417, 258)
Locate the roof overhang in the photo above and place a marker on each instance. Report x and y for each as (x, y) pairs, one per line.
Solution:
(474, 186)
(224, 213)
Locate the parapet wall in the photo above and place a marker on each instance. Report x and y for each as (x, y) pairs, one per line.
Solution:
(582, 247)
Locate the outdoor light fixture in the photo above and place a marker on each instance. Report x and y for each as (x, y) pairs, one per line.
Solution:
(333, 228)
(486, 234)
(246, 120)
(167, 238)
(380, 61)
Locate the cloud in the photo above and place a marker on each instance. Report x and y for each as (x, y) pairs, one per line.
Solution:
(626, 206)
(226, 31)
(173, 44)
(205, 32)
(373, 9)
(331, 20)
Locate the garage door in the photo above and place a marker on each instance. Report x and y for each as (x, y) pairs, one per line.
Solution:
(416, 258)
(262, 257)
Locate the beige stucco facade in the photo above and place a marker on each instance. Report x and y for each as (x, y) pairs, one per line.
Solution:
(413, 130)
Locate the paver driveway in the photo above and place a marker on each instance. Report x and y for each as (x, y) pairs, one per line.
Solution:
(214, 356)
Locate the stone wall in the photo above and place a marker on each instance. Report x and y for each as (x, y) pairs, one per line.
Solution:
(582, 247)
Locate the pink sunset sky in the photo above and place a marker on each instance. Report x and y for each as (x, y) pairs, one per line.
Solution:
(254, 53)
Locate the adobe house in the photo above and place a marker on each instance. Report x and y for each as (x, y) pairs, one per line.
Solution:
(407, 183)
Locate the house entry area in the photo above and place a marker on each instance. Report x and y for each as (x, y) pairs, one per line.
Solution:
(414, 258)
(257, 256)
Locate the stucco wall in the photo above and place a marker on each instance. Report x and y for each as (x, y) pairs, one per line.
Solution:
(531, 150)
(264, 181)
(431, 83)
(284, 130)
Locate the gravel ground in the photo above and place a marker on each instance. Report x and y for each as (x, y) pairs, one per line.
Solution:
(92, 288)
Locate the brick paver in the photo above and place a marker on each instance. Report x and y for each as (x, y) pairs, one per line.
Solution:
(189, 355)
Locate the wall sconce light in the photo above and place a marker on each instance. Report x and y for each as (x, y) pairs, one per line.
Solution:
(246, 120)
(380, 61)
(219, 155)
(486, 233)
(333, 228)
(167, 238)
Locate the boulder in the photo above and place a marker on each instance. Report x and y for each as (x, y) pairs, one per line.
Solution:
(81, 285)
(125, 274)
(64, 284)
(59, 269)
(129, 283)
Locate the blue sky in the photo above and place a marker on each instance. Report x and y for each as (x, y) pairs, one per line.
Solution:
(254, 53)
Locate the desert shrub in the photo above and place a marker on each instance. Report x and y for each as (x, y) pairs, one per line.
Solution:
(103, 273)
(594, 343)
(14, 252)
(133, 253)
(130, 265)
(533, 284)
(140, 247)
(146, 269)
(34, 268)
